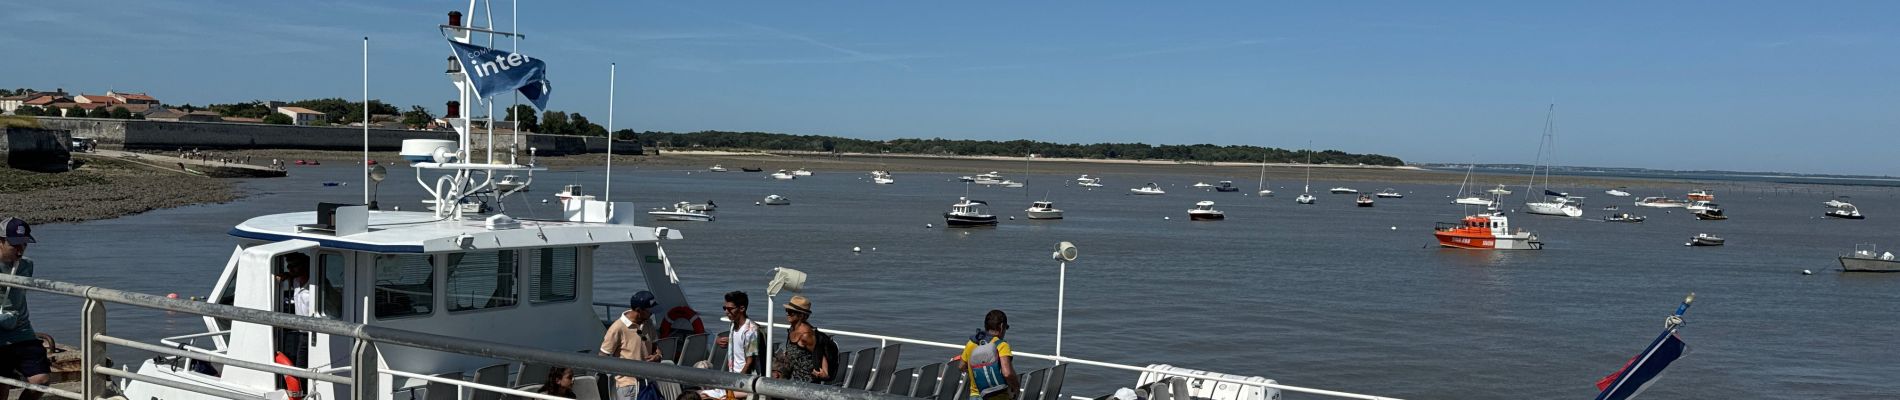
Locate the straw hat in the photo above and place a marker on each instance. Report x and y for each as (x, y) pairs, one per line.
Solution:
(799, 304)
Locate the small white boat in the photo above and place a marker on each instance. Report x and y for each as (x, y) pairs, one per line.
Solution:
(1836, 203)
(782, 175)
(1305, 198)
(1151, 189)
(991, 178)
(968, 213)
(1086, 181)
(1202, 185)
(1010, 184)
(1475, 201)
(1500, 190)
(1704, 239)
(681, 211)
(568, 192)
(1364, 201)
(777, 200)
(882, 177)
(1555, 205)
(1661, 202)
(1388, 193)
(1344, 190)
(707, 206)
(1700, 205)
(717, 168)
(1044, 210)
(511, 183)
(801, 172)
(1204, 211)
(1843, 210)
(1617, 193)
(1867, 258)
(1625, 217)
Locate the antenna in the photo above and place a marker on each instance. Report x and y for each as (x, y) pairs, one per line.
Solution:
(607, 193)
(365, 159)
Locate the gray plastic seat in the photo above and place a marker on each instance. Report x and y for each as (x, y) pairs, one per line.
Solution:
(1161, 390)
(694, 349)
(928, 377)
(841, 373)
(531, 373)
(956, 385)
(442, 391)
(719, 354)
(1032, 384)
(1181, 391)
(1052, 390)
(587, 388)
(669, 348)
(901, 382)
(861, 369)
(886, 365)
(493, 375)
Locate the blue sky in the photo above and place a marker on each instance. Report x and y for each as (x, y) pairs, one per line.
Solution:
(1784, 86)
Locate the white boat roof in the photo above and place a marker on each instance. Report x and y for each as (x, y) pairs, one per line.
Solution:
(421, 232)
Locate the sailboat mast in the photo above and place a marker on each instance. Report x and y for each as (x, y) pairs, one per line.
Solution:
(1529, 187)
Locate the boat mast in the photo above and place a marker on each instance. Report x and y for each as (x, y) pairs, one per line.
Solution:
(607, 192)
(1530, 187)
(1263, 174)
(1309, 168)
(365, 160)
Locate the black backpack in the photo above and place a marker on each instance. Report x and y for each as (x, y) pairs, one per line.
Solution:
(829, 350)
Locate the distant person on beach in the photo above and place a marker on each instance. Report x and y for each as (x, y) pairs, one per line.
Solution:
(22, 354)
(988, 362)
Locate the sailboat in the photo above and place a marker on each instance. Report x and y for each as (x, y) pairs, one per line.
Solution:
(1471, 199)
(1306, 192)
(1263, 179)
(1554, 203)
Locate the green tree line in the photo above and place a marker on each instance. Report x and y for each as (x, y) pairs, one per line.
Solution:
(1012, 148)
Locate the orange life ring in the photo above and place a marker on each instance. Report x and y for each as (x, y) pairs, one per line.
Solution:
(292, 385)
(684, 316)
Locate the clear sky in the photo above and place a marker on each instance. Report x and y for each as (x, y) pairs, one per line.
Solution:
(1737, 85)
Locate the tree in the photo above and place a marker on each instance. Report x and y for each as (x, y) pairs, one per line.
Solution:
(277, 119)
(528, 121)
(100, 112)
(554, 123)
(624, 134)
(29, 111)
(120, 113)
(417, 117)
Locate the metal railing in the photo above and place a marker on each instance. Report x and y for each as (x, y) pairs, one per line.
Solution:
(887, 340)
(364, 373)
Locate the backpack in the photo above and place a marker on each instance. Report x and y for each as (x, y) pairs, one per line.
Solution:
(986, 366)
(829, 350)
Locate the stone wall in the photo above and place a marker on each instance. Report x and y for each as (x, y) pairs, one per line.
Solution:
(36, 149)
(168, 135)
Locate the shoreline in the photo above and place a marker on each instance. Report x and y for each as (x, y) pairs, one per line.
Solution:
(104, 189)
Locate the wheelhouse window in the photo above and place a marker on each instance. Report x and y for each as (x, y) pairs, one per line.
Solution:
(481, 280)
(552, 274)
(405, 286)
(330, 267)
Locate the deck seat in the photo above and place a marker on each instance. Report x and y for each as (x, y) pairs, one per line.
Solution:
(886, 365)
(493, 375)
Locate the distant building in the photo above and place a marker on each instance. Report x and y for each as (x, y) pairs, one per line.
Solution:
(10, 103)
(132, 98)
(300, 115)
(96, 99)
(166, 114)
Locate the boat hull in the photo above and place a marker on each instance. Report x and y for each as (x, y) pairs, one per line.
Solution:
(1475, 201)
(1194, 216)
(1557, 209)
(968, 221)
(1044, 214)
(1365, 204)
(1486, 241)
(1857, 264)
(1832, 214)
(679, 216)
(1226, 189)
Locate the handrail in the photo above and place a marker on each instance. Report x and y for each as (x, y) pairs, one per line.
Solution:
(474, 385)
(1107, 365)
(370, 335)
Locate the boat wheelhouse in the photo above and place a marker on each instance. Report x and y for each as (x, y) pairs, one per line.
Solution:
(1043, 210)
(1204, 211)
(968, 213)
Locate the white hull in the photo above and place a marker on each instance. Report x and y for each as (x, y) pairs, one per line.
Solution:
(801, 173)
(1266, 192)
(1475, 201)
(1617, 193)
(883, 181)
(679, 216)
(1857, 264)
(1345, 191)
(784, 176)
(1090, 184)
(1304, 199)
(1044, 213)
(1558, 209)
(776, 200)
(1148, 191)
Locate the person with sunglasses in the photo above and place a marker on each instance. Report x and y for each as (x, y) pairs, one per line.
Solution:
(742, 346)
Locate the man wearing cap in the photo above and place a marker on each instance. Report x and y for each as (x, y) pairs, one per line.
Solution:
(22, 356)
(632, 338)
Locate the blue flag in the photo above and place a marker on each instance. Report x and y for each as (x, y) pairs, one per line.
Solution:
(496, 72)
(1642, 370)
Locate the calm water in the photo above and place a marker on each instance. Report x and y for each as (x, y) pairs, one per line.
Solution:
(1327, 296)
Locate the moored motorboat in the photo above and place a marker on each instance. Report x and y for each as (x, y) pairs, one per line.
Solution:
(1364, 201)
(1701, 195)
(1487, 231)
(1204, 211)
(1305, 198)
(968, 213)
(1344, 190)
(783, 175)
(1475, 201)
(1704, 239)
(717, 168)
(1661, 202)
(1086, 181)
(801, 172)
(1843, 210)
(752, 169)
(707, 206)
(1868, 258)
(882, 177)
(1710, 215)
(1617, 193)
(776, 200)
(1624, 217)
(511, 183)
(1151, 189)
(991, 178)
(1202, 185)
(681, 212)
(568, 192)
(1043, 210)
(1388, 193)
(1226, 186)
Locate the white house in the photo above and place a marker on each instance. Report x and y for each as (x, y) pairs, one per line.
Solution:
(300, 115)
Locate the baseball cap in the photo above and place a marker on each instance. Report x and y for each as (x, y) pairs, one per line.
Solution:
(17, 231)
(643, 299)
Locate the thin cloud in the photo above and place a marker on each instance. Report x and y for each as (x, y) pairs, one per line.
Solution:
(1192, 48)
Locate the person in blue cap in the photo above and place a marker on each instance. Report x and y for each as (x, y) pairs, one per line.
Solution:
(631, 337)
(22, 356)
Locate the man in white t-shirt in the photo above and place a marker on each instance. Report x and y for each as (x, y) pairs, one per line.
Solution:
(742, 346)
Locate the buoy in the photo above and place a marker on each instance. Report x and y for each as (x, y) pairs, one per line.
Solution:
(1395, 228)
(927, 226)
(1807, 272)
(544, 201)
(1166, 218)
(855, 249)
(395, 208)
(873, 249)
(755, 203)
(1012, 218)
(171, 296)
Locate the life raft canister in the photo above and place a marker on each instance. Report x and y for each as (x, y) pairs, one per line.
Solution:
(678, 318)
